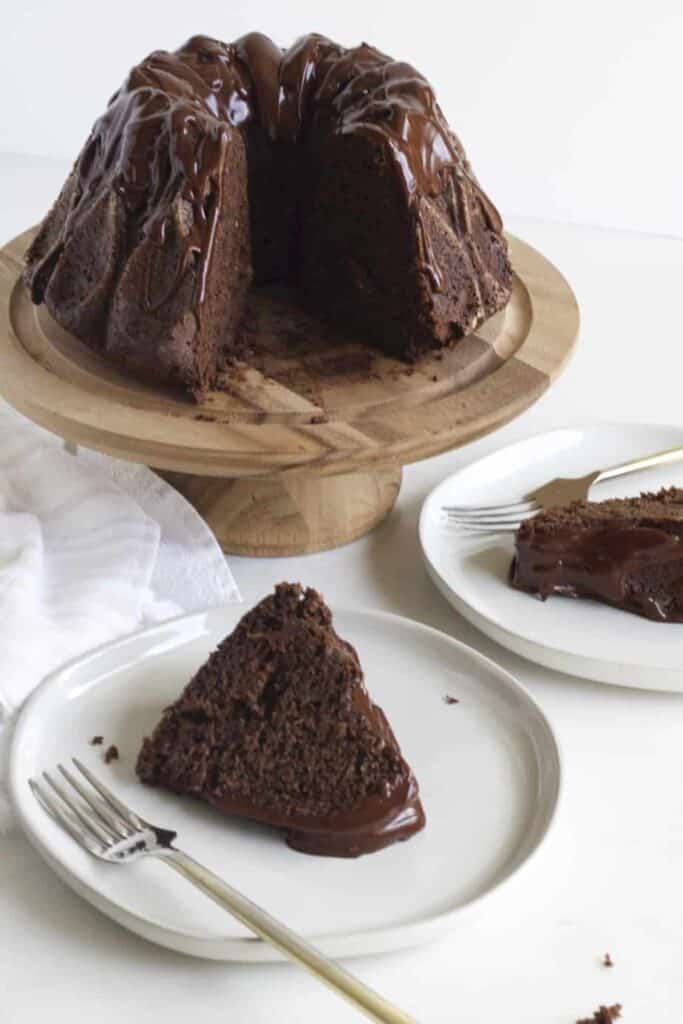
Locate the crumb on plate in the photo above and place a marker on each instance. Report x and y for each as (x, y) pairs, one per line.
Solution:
(603, 1015)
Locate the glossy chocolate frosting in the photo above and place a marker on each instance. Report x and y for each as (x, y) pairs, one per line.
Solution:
(375, 823)
(160, 145)
(628, 554)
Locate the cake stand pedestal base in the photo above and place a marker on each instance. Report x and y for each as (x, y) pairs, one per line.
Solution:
(291, 513)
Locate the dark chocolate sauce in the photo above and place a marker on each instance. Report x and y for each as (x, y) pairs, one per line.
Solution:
(603, 562)
(261, 60)
(375, 823)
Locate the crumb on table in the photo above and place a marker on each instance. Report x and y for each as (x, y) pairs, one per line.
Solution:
(111, 754)
(450, 700)
(603, 1015)
(96, 741)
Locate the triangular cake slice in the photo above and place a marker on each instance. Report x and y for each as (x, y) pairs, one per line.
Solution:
(626, 552)
(277, 726)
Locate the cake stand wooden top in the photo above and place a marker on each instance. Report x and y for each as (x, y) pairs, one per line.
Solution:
(315, 399)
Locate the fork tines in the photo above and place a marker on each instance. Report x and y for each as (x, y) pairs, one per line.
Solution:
(490, 518)
(91, 814)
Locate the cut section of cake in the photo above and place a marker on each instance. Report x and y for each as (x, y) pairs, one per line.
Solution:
(277, 726)
(397, 237)
(625, 552)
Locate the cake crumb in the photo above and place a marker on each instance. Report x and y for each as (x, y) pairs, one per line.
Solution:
(607, 961)
(603, 1015)
(450, 700)
(97, 741)
(111, 754)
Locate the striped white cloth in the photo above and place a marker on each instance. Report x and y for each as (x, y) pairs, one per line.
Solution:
(90, 549)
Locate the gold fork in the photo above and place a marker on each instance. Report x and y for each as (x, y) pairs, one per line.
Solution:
(105, 828)
(506, 518)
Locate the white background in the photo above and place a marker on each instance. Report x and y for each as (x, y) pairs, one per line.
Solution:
(569, 110)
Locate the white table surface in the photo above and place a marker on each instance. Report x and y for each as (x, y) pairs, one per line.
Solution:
(609, 878)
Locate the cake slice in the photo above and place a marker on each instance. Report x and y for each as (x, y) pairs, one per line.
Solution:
(626, 552)
(277, 726)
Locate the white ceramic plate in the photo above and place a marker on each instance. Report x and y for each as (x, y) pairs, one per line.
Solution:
(488, 769)
(576, 636)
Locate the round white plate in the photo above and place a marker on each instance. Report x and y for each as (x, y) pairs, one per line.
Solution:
(488, 769)
(581, 637)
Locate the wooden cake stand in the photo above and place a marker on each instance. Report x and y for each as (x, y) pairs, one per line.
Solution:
(302, 450)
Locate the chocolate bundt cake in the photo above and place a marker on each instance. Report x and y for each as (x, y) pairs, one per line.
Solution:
(277, 726)
(333, 169)
(624, 552)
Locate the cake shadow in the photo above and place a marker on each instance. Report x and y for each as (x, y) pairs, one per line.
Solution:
(492, 560)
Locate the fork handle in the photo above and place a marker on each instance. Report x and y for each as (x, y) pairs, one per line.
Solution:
(285, 940)
(658, 459)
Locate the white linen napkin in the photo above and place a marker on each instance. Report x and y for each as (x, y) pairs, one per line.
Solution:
(91, 548)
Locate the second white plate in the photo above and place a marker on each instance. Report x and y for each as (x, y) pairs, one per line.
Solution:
(488, 769)
(580, 637)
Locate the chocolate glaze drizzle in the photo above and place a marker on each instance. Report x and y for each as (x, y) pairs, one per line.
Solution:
(378, 821)
(161, 143)
(167, 162)
(606, 562)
